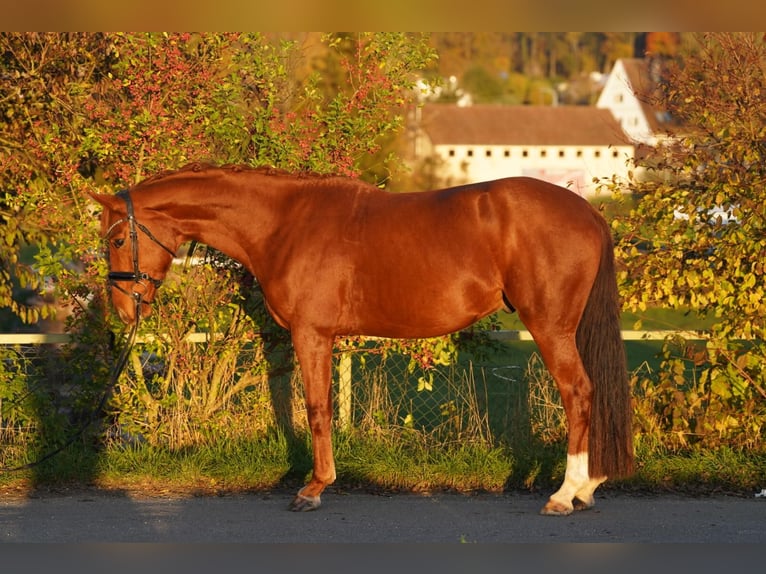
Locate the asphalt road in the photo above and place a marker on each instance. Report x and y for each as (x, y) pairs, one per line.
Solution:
(96, 516)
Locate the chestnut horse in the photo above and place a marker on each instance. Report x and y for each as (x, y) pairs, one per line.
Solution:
(336, 256)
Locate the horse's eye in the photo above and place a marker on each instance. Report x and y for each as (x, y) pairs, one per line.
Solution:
(119, 242)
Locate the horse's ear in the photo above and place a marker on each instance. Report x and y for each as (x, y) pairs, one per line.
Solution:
(109, 201)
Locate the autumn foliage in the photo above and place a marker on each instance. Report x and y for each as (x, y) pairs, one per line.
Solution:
(99, 112)
(102, 111)
(695, 241)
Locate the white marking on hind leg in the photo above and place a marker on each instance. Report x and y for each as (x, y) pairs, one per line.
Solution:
(577, 485)
(585, 494)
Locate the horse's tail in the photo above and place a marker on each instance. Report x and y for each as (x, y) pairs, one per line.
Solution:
(599, 341)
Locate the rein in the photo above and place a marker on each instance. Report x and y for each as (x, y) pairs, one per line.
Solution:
(114, 375)
(138, 277)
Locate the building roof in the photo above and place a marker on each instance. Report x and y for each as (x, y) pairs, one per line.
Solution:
(643, 76)
(448, 124)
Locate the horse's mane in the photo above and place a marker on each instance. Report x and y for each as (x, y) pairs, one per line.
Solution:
(202, 167)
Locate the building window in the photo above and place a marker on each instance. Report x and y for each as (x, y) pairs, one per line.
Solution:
(561, 153)
(451, 153)
(507, 153)
(525, 153)
(597, 153)
(579, 153)
(469, 153)
(543, 153)
(488, 153)
(615, 153)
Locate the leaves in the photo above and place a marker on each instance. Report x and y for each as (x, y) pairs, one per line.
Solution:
(694, 237)
(84, 112)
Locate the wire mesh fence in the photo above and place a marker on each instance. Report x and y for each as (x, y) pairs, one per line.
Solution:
(375, 391)
(48, 388)
(461, 402)
(32, 383)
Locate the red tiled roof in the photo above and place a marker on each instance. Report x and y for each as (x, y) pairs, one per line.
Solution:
(447, 124)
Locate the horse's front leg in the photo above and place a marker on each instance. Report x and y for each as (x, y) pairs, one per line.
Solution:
(314, 354)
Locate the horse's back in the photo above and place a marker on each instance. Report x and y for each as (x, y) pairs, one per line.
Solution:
(509, 215)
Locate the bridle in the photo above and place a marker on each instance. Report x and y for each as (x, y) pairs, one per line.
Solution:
(137, 276)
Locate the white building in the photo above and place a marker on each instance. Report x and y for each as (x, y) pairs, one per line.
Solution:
(568, 145)
(627, 94)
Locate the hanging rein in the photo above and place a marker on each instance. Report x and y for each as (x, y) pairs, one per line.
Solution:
(138, 277)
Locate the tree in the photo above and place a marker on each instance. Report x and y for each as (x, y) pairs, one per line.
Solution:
(44, 78)
(84, 112)
(497, 67)
(696, 239)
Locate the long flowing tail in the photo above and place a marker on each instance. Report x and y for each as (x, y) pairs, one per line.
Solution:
(599, 341)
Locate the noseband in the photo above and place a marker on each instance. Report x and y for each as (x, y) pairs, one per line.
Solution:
(137, 276)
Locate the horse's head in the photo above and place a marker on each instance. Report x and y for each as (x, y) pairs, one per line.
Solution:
(140, 251)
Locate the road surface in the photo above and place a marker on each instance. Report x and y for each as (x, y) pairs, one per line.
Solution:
(95, 516)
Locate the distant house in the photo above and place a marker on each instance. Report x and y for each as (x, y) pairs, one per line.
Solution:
(567, 145)
(627, 93)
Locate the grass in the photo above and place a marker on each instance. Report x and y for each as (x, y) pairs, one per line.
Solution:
(386, 464)
(701, 471)
(228, 466)
(654, 318)
(383, 452)
(381, 463)
(391, 463)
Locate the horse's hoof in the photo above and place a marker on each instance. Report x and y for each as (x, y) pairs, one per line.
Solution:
(303, 503)
(553, 508)
(582, 505)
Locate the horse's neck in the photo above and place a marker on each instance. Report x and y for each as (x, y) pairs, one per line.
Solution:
(232, 216)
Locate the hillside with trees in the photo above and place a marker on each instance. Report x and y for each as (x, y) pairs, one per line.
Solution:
(522, 67)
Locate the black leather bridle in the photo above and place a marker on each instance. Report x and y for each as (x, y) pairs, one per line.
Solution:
(136, 275)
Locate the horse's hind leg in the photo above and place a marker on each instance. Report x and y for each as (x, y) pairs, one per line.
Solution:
(560, 354)
(314, 354)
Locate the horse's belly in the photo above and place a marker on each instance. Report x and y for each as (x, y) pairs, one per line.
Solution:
(423, 313)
